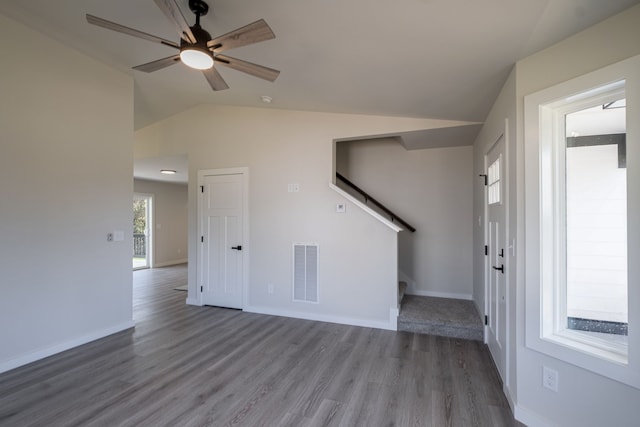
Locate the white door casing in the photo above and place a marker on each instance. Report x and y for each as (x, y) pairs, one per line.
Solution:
(497, 253)
(222, 223)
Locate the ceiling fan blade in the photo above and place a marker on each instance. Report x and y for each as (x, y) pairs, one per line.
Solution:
(253, 33)
(215, 79)
(172, 11)
(130, 31)
(248, 67)
(158, 64)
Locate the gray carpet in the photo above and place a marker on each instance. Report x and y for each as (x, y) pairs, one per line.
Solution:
(440, 316)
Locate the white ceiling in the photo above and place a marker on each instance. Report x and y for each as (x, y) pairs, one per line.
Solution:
(149, 168)
(442, 59)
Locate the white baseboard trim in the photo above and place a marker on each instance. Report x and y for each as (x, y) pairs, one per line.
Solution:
(529, 418)
(393, 318)
(507, 393)
(50, 351)
(325, 318)
(402, 277)
(168, 263)
(193, 301)
(421, 293)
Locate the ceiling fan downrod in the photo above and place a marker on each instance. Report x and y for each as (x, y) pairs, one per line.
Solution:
(199, 8)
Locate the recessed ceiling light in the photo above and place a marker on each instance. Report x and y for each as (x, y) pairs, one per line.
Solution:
(168, 171)
(266, 99)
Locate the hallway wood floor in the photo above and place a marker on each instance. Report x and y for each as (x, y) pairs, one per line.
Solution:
(206, 366)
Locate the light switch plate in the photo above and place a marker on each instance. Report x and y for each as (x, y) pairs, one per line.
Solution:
(293, 188)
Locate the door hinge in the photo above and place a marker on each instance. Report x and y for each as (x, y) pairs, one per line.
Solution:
(486, 249)
(485, 178)
(486, 319)
(202, 188)
(201, 290)
(201, 239)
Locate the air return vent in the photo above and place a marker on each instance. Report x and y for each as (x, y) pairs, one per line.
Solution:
(305, 272)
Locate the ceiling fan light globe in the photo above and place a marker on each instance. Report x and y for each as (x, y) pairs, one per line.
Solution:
(196, 58)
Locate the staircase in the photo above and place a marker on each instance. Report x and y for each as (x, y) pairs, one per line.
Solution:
(439, 316)
(402, 289)
(427, 315)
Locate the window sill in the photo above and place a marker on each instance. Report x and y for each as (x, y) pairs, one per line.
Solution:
(611, 348)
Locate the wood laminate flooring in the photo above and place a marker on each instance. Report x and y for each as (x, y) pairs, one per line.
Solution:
(207, 366)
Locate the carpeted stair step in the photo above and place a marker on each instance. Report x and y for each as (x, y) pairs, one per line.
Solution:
(440, 316)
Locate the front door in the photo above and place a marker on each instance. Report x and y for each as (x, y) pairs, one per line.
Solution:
(221, 221)
(495, 294)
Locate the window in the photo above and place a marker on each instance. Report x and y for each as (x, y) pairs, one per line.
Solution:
(582, 205)
(596, 221)
(493, 181)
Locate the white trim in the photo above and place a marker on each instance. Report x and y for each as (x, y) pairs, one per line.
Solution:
(193, 301)
(50, 351)
(538, 165)
(507, 393)
(403, 277)
(509, 253)
(421, 293)
(365, 208)
(244, 171)
(172, 262)
(393, 318)
(529, 418)
(390, 325)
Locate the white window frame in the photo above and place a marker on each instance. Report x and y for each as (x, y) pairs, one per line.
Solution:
(544, 228)
(494, 182)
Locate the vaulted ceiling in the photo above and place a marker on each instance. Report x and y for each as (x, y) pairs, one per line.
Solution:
(443, 59)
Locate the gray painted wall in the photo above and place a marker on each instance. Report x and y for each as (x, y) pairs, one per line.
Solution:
(65, 182)
(432, 190)
(358, 254)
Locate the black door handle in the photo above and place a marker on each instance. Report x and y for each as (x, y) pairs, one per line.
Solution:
(237, 248)
(500, 269)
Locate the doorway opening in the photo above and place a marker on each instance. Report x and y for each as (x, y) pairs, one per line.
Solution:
(142, 236)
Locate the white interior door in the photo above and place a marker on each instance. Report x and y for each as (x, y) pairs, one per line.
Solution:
(221, 217)
(496, 293)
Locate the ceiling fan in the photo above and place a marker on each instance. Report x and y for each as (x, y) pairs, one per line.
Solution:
(197, 48)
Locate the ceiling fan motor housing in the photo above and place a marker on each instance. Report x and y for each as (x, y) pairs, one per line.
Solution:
(201, 35)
